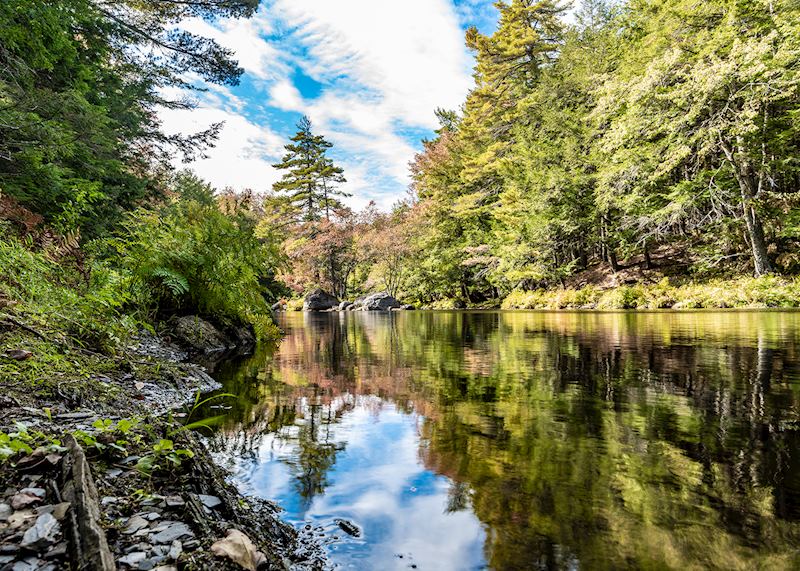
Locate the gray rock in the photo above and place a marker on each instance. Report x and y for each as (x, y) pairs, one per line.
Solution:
(151, 563)
(5, 511)
(409, 307)
(150, 516)
(378, 302)
(174, 501)
(58, 510)
(135, 524)
(176, 530)
(59, 550)
(4, 559)
(42, 534)
(319, 300)
(279, 306)
(27, 564)
(108, 500)
(210, 502)
(345, 305)
(133, 559)
(199, 335)
(175, 550)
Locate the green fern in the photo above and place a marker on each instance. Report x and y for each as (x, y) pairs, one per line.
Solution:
(177, 284)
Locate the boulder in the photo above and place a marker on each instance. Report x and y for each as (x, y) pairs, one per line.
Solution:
(409, 307)
(319, 300)
(279, 306)
(345, 305)
(378, 302)
(199, 335)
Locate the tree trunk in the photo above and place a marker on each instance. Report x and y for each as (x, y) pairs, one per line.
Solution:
(749, 187)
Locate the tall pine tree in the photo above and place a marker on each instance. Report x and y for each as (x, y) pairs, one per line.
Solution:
(312, 178)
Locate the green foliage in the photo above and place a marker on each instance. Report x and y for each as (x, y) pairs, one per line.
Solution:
(191, 257)
(764, 292)
(311, 178)
(646, 124)
(80, 140)
(60, 295)
(163, 457)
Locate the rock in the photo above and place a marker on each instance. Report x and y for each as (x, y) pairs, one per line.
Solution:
(199, 335)
(5, 511)
(244, 337)
(172, 531)
(26, 497)
(59, 511)
(20, 518)
(59, 550)
(319, 300)
(378, 302)
(409, 307)
(42, 534)
(135, 524)
(348, 527)
(279, 306)
(4, 559)
(174, 501)
(133, 559)
(240, 549)
(210, 502)
(175, 550)
(345, 305)
(151, 563)
(27, 564)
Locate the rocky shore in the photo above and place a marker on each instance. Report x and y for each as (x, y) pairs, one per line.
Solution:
(118, 480)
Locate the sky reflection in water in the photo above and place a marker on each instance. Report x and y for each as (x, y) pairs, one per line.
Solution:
(527, 440)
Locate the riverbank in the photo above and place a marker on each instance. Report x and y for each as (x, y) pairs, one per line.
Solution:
(101, 467)
(749, 293)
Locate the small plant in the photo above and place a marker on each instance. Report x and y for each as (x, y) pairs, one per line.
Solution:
(164, 456)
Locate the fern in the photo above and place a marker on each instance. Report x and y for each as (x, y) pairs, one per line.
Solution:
(177, 284)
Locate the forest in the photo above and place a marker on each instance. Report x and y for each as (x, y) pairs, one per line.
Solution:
(636, 154)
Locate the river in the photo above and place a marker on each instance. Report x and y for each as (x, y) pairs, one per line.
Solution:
(525, 440)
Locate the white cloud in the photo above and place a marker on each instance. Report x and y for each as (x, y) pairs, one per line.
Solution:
(243, 154)
(383, 67)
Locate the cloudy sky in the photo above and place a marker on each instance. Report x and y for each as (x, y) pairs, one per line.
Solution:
(369, 73)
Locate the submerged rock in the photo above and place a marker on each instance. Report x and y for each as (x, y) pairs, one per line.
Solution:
(320, 300)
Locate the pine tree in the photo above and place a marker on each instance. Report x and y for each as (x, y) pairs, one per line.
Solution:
(312, 177)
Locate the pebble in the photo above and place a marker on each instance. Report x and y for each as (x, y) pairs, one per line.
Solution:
(59, 511)
(135, 524)
(175, 501)
(27, 496)
(42, 534)
(108, 500)
(133, 559)
(113, 472)
(27, 564)
(20, 518)
(175, 550)
(210, 502)
(176, 530)
(150, 516)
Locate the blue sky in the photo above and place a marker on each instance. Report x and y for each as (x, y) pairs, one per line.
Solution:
(369, 73)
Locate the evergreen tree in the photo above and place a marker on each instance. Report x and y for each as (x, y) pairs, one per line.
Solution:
(311, 178)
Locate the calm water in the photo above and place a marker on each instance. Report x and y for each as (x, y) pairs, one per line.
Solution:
(527, 440)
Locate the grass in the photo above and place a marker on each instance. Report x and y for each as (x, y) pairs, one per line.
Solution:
(755, 293)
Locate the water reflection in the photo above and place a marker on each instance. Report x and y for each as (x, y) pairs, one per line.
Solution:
(528, 440)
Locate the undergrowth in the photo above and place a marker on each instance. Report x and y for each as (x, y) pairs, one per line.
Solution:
(764, 292)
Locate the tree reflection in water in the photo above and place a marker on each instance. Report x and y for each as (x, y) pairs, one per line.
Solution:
(604, 441)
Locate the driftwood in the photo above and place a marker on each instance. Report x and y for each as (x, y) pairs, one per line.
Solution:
(88, 546)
